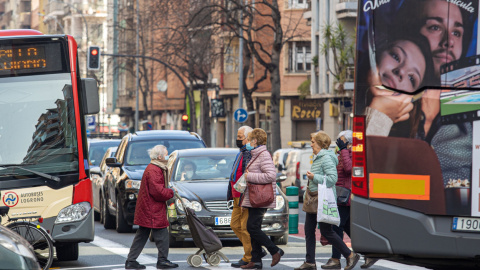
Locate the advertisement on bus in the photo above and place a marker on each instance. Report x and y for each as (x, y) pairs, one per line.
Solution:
(418, 79)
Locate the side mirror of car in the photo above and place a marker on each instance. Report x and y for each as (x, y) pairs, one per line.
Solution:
(281, 177)
(95, 170)
(112, 162)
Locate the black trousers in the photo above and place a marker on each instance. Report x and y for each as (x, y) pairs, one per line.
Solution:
(344, 227)
(257, 236)
(160, 236)
(327, 231)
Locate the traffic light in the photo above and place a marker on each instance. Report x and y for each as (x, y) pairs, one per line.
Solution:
(93, 58)
(185, 125)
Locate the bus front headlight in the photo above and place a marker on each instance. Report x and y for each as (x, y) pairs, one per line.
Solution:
(73, 212)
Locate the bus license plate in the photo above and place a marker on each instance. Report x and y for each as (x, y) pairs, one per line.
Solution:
(466, 224)
(222, 220)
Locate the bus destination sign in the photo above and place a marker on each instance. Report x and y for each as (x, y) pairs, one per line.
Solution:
(22, 57)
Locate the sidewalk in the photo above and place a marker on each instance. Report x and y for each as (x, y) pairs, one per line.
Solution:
(301, 234)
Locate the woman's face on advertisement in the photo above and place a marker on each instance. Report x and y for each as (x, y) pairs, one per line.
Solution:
(444, 30)
(402, 66)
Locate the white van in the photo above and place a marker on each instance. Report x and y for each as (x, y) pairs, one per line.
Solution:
(280, 158)
(298, 162)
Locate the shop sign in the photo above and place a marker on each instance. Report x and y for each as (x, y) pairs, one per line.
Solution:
(309, 109)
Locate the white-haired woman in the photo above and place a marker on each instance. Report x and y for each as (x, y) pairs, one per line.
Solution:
(151, 211)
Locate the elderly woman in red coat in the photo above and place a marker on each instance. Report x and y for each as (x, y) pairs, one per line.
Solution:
(151, 211)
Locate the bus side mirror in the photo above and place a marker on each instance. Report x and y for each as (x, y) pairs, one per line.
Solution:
(112, 162)
(89, 95)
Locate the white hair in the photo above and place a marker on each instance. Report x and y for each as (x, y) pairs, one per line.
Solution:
(246, 130)
(156, 151)
(347, 134)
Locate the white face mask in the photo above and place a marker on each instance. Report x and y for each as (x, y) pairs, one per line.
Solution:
(189, 174)
(166, 157)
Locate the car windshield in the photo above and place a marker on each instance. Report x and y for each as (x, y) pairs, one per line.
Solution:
(37, 124)
(97, 150)
(204, 168)
(137, 152)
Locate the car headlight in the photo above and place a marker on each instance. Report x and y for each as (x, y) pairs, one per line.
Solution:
(132, 184)
(73, 212)
(280, 201)
(196, 206)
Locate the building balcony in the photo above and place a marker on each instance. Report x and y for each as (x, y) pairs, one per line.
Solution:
(346, 9)
(55, 9)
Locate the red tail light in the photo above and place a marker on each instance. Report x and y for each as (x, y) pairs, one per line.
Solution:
(359, 165)
(297, 173)
(82, 192)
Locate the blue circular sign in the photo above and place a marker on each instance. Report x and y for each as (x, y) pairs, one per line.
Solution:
(240, 115)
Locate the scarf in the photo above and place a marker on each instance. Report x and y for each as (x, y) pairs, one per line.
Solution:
(247, 156)
(162, 165)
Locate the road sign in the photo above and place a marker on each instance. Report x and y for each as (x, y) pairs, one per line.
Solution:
(91, 122)
(240, 115)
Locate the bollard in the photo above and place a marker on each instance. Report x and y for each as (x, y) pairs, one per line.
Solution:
(292, 197)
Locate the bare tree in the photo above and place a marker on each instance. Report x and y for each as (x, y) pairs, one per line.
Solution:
(260, 24)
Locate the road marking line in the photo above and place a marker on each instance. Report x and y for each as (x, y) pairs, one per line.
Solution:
(121, 250)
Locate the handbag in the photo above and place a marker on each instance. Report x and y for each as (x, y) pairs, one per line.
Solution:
(327, 205)
(260, 195)
(343, 195)
(241, 183)
(310, 201)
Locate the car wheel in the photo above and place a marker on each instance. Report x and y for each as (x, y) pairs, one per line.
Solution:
(67, 251)
(108, 220)
(96, 215)
(280, 240)
(122, 225)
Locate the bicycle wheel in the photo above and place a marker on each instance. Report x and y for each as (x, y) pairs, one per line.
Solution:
(39, 239)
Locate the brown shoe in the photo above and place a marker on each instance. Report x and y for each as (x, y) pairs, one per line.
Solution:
(352, 261)
(332, 264)
(368, 262)
(277, 256)
(307, 266)
(252, 265)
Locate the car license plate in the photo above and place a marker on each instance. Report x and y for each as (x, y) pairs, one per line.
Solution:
(466, 224)
(222, 220)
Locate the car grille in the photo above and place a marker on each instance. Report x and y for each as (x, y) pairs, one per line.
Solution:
(218, 206)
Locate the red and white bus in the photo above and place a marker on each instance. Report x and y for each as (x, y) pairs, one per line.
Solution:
(43, 149)
(416, 147)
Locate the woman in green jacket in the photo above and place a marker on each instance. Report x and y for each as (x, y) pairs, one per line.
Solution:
(324, 168)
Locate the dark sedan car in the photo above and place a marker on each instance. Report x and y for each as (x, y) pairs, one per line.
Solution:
(122, 183)
(201, 178)
(97, 175)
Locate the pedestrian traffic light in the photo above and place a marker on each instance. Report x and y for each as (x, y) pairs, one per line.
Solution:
(93, 58)
(185, 125)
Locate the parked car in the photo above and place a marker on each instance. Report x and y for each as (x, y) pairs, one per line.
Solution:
(280, 159)
(97, 176)
(205, 192)
(122, 184)
(97, 148)
(15, 252)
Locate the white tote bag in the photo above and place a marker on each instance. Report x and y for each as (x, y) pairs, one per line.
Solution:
(241, 184)
(327, 205)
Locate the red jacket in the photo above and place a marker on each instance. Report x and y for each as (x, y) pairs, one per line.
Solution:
(151, 208)
(238, 174)
(344, 170)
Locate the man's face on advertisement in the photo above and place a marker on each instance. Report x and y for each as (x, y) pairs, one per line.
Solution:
(444, 30)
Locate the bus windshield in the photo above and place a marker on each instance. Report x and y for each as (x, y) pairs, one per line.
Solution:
(37, 124)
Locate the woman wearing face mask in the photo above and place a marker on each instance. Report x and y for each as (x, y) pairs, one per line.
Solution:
(260, 170)
(151, 211)
(188, 171)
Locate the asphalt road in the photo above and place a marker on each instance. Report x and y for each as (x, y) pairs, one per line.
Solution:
(110, 249)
